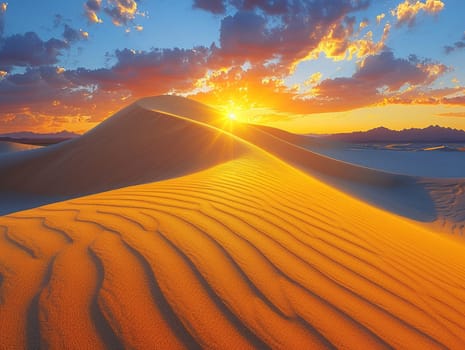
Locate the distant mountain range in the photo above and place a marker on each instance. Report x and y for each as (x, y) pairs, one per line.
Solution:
(32, 138)
(431, 134)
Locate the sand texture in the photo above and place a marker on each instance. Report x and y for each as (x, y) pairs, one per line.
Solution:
(200, 233)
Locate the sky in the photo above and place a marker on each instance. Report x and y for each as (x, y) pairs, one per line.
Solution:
(308, 66)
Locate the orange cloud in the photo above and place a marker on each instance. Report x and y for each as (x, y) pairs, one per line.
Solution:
(339, 43)
(380, 17)
(91, 7)
(407, 11)
(452, 114)
(314, 79)
(121, 11)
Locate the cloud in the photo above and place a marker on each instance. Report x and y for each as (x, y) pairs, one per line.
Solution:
(456, 46)
(380, 17)
(457, 100)
(342, 42)
(377, 78)
(3, 7)
(314, 79)
(91, 8)
(72, 35)
(214, 6)
(407, 11)
(48, 97)
(29, 50)
(135, 74)
(284, 32)
(121, 11)
(452, 114)
(148, 72)
(245, 35)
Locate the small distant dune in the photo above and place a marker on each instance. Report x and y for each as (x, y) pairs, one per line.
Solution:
(179, 229)
(7, 147)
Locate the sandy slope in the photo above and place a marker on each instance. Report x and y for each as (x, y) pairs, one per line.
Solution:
(134, 146)
(7, 147)
(247, 253)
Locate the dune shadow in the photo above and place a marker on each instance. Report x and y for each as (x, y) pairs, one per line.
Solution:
(33, 338)
(11, 202)
(162, 303)
(401, 194)
(405, 197)
(104, 330)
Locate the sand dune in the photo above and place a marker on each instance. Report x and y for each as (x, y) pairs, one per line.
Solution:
(7, 147)
(136, 145)
(236, 249)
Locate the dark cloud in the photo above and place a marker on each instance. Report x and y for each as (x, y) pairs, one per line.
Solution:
(286, 31)
(30, 50)
(72, 35)
(45, 95)
(376, 78)
(311, 8)
(57, 20)
(94, 5)
(147, 72)
(213, 6)
(271, 7)
(42, 95)
(244, 35)
(91, 8)
(458, 100)
(386, 70)
(456, 46)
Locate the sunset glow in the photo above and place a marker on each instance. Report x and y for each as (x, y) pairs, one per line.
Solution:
(232, 116)
(300, 66)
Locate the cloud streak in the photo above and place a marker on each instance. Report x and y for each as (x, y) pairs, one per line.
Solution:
(407, 11)
(458, 45)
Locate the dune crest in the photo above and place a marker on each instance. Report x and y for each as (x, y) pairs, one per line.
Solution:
(135, 146)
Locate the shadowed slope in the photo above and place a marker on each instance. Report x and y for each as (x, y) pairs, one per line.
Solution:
(134, 146)
(7, 147)
(248, 254)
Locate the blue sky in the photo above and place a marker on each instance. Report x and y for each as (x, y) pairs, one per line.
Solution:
(277, 62)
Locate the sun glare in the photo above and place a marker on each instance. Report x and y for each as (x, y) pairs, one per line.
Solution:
(232, 116)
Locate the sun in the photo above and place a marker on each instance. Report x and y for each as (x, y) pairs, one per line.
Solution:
(232, 116)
